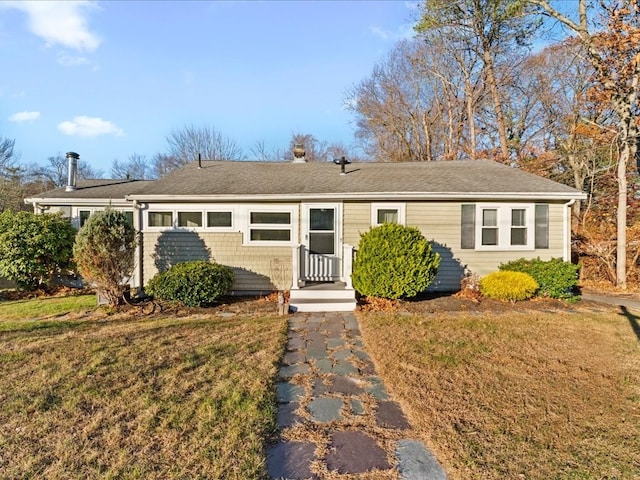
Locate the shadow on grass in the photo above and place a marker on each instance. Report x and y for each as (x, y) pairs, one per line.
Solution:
(633, 320)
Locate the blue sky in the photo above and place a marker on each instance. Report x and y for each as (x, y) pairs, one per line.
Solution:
(113, 78)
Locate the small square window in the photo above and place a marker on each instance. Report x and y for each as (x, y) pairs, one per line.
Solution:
(219, 219)
(387, 215)
(190, 219)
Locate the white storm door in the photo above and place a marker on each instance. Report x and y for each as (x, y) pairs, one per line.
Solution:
(321, 238)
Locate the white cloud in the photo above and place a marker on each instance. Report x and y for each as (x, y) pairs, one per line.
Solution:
(70, 61)
(403, 32)
(84, 126)
(24, 116)
(60, 22)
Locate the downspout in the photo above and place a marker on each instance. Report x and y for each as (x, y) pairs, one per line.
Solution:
(139, 253)
(566, 254)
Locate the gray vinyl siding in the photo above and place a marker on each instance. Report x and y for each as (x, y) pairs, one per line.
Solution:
(256, 268)
(357, 220)
(440, 222)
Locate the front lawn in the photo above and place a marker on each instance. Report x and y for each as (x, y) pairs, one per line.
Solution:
(137, 397)
(530, 395)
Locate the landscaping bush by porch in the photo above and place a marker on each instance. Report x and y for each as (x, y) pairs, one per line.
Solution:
(195, 284)
(393, 262)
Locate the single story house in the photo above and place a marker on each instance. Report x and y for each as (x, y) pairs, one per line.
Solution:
(296, 225)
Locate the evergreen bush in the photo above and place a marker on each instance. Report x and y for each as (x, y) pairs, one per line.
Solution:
(394, 261)
(33, 248)
(509, 286)
(104, 252)
(556, 278)
(195, 284)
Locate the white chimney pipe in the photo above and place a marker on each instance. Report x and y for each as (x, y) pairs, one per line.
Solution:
(72, 171)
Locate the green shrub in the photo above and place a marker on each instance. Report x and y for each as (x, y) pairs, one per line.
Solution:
(509, 286)
(195, 284)
(33, 247)
(557, 278)
(394, 261)
(104, 252)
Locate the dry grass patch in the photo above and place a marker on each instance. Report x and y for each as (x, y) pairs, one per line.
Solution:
(531, 395)
(138, 397)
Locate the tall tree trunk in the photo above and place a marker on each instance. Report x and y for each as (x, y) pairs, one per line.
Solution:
(621, 219)
(497, 101)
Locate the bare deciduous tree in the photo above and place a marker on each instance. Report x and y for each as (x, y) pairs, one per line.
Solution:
(614, 54)
(187, 143)
(135, 168)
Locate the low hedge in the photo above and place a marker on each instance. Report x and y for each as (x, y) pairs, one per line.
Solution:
(556, 278)
(195, 284)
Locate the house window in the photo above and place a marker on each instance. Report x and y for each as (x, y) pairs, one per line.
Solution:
(387, 213)
(84, 216)
(518, 226)
(219, 219)
(160, 219)
(504, 226)
(490, 226)
(270, 226)
(189, 219)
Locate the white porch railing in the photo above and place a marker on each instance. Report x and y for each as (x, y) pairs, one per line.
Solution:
(309, 267)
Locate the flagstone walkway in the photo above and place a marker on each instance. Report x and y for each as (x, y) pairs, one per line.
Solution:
(334, 413)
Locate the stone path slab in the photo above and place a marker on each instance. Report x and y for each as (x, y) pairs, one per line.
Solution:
(335, 416)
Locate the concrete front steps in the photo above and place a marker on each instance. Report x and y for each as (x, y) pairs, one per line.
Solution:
(323, 297)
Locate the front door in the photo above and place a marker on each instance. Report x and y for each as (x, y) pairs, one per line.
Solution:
(321, 239)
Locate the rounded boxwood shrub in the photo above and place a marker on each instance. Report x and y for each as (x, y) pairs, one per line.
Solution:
(557, 278)
(394, 261)
(195, 284)
(509, 286)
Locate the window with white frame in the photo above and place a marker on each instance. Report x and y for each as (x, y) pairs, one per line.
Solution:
(160, 219)
(82, 215)
(220, 219)
(504, 226)
(270, 226)
(189, 219)
(387, 213)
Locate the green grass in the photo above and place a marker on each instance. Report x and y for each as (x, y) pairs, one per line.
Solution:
(45, 307)
(138, 397)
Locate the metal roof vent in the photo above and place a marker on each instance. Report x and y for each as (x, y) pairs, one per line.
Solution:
(72, 171)
(342, 162)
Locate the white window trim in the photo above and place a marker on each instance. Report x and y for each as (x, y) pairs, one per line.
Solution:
(293, 226)
(75, 213)
(504, 226)
(401, 207)
(202, 209)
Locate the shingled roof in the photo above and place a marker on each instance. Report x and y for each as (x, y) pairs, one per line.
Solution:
(97, 189)
(453, 179)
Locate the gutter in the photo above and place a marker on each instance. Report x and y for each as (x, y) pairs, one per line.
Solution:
(395, 196)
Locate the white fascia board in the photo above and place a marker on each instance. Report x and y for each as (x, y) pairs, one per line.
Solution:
(80, 202)
(387, 196)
